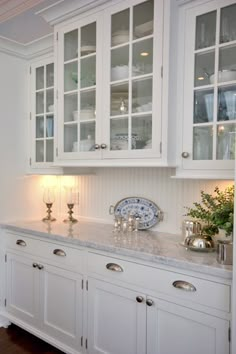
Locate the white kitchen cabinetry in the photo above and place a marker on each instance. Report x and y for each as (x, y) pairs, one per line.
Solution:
(207, 85)
(45, 297)
(109, 69)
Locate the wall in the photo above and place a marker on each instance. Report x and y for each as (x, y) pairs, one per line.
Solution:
(109, 185)
(17, 192)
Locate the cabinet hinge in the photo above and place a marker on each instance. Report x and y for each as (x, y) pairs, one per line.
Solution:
(30, 161)
(5, 258)
(30, 70)
(5, 302)
(86, 284)
(162, 72)
(229, 334)
(82, 284)
(160, 147)
(86, 343)
(57, 36)
(81, 341)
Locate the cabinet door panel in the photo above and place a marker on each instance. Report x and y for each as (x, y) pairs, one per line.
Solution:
(22, 289)
(174, 329)
(116, 321)
(61, 297)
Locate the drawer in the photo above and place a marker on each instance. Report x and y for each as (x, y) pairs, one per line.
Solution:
(62, 255)
(174, 284)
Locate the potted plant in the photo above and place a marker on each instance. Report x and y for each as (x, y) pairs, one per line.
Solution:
(215, 211)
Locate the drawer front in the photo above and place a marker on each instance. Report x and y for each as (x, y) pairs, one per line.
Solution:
(62, 255)
(180, 286)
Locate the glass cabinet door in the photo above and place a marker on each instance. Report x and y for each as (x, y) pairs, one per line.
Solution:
(79, 91)
(131, 79)
(43, 113)
(214, 92)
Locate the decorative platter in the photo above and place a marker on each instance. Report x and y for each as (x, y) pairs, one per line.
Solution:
(148, 211)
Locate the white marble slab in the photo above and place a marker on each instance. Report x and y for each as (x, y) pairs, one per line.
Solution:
(149, 246)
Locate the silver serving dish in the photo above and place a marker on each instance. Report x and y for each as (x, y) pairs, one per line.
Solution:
(199, 243)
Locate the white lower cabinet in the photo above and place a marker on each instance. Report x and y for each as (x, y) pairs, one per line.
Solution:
(116, 321)
(176, 329)
(46, 298)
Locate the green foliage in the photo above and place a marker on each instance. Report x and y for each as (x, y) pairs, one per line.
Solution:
(216, 211)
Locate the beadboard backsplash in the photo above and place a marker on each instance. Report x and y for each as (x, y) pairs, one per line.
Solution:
(109, 185)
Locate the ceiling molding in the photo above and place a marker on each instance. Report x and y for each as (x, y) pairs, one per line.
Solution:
(12, 8)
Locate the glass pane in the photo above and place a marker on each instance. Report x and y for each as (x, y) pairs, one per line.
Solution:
(71, 45)
(88, 39)
(202, 143)
(142, 57)
(70, 138)
(119, 134)
(228, 24)
(40, 78)
(120, 63)
(120, 28)
(49, 126)
(87, 136)
(204, 68)
(226, 138)
(49, 151)
(39, 127)
(119, 99)
(142, 95)
(88, 105)
(39, 102)
(70, 107)
(203, 106)
(141, 132)
(50, 75)
(71, 76)
(206, 30)
(88, 72)
(143, 19)
(227, 64)
(227, 103)
(39, 151)
(49, 100)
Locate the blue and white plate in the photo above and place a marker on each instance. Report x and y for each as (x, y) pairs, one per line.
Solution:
(148, 211)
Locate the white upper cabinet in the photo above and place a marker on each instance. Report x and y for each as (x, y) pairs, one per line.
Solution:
(109, 70)
(209, 89)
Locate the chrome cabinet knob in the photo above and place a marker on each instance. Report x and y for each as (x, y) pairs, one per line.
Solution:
(103, 146)
(96, 147)
(35, 265)
(139, 299)
(149, 302)
(21, 243)
(185, 154)
(40, 266)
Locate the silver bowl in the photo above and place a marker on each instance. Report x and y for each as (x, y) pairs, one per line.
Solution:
(199, 242)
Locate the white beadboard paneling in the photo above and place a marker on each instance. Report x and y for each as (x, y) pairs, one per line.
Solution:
(109, 185)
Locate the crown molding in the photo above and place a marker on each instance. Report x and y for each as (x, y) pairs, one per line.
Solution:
(28, 51)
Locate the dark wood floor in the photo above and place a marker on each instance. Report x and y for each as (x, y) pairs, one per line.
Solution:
(15, 340)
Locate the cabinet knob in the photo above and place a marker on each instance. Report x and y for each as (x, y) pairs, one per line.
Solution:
(184, 285)
(149, 302)
(97, 147)
(185, 154)
(103, 146)
(139, 299)
(35, 265)
(114, 267)
(40, 266)
(21, 243)
(59, 252)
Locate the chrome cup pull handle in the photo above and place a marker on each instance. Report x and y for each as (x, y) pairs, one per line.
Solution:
(21, 243)
(114, 267)
(59, 252)
(184, 285)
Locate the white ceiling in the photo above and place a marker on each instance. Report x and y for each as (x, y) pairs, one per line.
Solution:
(19, 21)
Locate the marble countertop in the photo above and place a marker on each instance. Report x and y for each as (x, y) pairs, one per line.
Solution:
(156, 247)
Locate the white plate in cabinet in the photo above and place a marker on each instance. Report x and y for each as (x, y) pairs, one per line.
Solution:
(176, 285)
